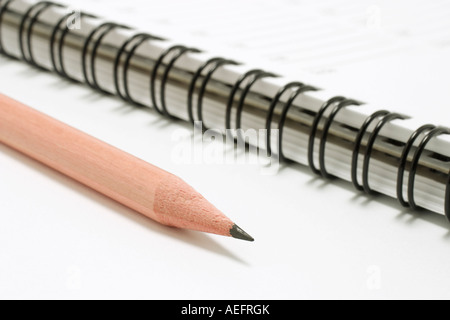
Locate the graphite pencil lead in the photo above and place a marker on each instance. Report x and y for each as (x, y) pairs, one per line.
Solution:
(238, 233)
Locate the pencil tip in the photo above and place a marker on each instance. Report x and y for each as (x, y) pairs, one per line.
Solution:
(238, 233)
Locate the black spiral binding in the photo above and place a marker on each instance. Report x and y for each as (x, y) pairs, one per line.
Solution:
(358, 142)
(179, 50)
(271, 112)
(178, 55)
(415, 163)
(211, 62)
(37, 9)
(342, 104)
(3, 9)
(233, 92)
(219, 63)
(284, 113)
(240, 108)
(138, 40)
(53, 39)
(447, 198)
(315, 127)
(103, 30)
(368, 154)
(404, 159)
(64, 31)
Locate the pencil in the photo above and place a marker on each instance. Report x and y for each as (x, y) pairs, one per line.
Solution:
(118, 175)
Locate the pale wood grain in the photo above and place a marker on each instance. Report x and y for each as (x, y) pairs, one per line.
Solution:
(137, 184)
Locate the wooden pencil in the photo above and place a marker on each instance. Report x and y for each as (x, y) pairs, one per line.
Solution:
(133, 182)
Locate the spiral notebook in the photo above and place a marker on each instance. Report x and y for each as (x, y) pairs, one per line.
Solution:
(346, 88)
(376, 149)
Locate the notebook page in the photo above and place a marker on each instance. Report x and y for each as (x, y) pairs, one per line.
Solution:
(389, 53)
(314, 239)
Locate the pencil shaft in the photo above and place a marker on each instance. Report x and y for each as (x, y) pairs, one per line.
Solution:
(133, 182)
(79, 156)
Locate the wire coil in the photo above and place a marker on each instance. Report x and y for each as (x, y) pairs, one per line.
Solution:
(3, 8)
(60, 69)
(102, 31)
(404, 159)
(137, 40)
(415, 163)
(284, 115)
(218, 64)
(341, 103)
(32, 14)
(179, 51)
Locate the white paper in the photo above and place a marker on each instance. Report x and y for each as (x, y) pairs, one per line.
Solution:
(314, 239)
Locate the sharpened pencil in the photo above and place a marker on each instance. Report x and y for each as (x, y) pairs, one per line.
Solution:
(130, 181)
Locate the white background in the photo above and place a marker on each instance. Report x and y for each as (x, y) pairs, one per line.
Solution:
(314, 238)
